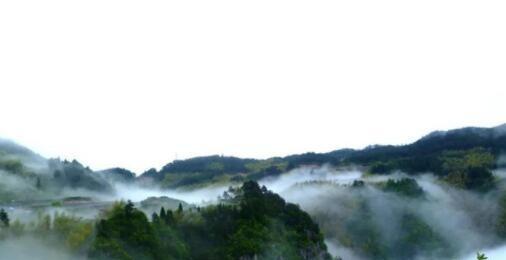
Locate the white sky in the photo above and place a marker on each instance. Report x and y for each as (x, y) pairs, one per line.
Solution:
(133, 83)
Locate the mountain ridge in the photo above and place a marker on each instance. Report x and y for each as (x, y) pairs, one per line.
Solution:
(418, 156)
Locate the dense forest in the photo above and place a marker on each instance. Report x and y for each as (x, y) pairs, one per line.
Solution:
(454, 155)
(249, 222)
(441, 197)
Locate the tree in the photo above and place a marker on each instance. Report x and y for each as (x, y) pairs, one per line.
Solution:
(125, 234)
(74, 231)
(501, 222)
(129, 208)
(155, 218)
(180, 208)
(481, 256)
(406, 186)
(163, 215)
(169, 217)
(4, 218)
(38, 185)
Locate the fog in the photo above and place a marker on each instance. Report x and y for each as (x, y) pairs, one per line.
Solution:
(201, 196)
(307, 174)
(14, 183)
(24, 204)
(462, 219)
(497, 253)
(210, 194)
(501, 161)
(32, 248)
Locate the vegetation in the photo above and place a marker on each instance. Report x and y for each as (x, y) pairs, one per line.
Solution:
(407, 187)
(417, 238)
(360, 222)
(469, 169)
(75, 175)
(250, 222)
(4, 218)
(118, 175)
(501, 222)
(70, 233)
(481, 256)
(11, 165)
(125, 234)
(462, 157)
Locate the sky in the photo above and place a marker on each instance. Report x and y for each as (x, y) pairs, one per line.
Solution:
(138, 84)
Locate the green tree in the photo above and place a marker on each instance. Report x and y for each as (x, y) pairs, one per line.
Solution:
(469, 169)
(405, 186)
(4, 218)
(74, 231)
(125, 234)
(481, 256)
(169, 217)
(501, 222)
(163, 214)
(155, 218)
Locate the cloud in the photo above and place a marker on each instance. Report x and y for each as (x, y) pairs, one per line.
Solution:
(462, 218)
(28, 248)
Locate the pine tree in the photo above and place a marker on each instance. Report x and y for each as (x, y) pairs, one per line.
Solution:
(180, 208)
(129, 208)
(163, 215)
(169, 219)
(155, 218)
(4, 218)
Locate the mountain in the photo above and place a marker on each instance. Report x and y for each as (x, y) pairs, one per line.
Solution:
(74, 175)
(117, 174)
(12, 151)
(28, 176)
(369, 213)
(427, 154)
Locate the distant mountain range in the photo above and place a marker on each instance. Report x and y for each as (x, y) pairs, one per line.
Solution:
(424, 155)
(403, 216)
(431, 153)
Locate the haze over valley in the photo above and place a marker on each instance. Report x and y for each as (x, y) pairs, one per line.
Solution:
(441, 197)
(252, 130)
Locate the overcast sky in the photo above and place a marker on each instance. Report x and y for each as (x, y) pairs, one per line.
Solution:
(137, 83)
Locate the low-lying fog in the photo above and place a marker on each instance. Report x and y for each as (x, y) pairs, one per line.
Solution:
(33, 248)
(461, 218)
(210, 194)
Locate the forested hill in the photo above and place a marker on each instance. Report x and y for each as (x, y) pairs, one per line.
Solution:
(401, 216)
(479, 146)
(453, 155)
